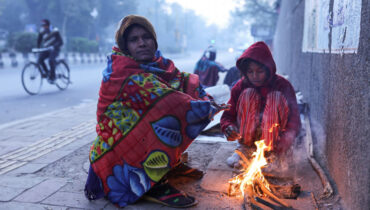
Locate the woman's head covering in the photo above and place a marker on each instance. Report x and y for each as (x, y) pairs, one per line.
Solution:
(128, 21)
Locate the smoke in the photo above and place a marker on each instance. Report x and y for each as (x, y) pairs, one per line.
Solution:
(319, 139)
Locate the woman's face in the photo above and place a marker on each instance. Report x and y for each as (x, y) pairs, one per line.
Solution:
(140, 44)
(256, 74)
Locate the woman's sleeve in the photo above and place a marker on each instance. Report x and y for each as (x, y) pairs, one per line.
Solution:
(229, 116)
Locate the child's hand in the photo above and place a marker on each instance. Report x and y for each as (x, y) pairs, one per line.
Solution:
(232, 133)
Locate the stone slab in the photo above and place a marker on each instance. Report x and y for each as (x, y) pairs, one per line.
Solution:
(41, 191)
(74, 200)
(219, 160)
(29, 168)
(88, 139)
(52, 156)
(216, 180)
(8, 193)
(76, 186)
(23, 182)
(28, 206)
(6, 148)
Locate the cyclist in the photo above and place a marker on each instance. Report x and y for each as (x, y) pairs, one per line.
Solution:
(50, 38)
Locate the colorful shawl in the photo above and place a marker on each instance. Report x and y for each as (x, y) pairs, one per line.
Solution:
(147, 116)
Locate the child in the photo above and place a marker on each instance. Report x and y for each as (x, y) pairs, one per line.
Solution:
(263, 105)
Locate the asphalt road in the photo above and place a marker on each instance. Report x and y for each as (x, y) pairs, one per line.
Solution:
(16, 104)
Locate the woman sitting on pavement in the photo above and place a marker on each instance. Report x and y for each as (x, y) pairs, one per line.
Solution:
(148, 114)
(263, 105)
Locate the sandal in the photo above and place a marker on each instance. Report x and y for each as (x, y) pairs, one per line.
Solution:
(185, 170)
(167, 195)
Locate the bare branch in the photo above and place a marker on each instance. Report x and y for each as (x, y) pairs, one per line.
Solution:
(262, 8)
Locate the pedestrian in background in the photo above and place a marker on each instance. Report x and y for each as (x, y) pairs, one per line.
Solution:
(207, 68)
(232, 76)
(148, 114)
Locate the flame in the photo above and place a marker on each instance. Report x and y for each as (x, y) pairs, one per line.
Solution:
(253, 172)
(273, 126)
(254, 169)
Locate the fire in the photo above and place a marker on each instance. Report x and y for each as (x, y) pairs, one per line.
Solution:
(253, 172)
(251, 182)
(273, 126)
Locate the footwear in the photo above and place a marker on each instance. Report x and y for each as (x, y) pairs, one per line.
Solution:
(51, 81)
(233, 161)
(184, 170)
(167, 195)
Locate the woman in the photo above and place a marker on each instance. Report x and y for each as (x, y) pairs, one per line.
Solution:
(148, 114)
(263, 105)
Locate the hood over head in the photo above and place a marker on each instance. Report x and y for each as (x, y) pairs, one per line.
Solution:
(128, 21)
(261, 53)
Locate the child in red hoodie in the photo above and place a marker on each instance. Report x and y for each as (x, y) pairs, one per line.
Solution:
(263, 104)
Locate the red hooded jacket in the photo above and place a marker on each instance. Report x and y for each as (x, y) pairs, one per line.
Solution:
(260, 52)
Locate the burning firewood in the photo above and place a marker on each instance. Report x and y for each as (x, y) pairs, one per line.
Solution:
(253, 185)
(283, 187)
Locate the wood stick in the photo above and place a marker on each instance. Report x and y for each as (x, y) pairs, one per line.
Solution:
(268, 204)
(309, 143)
(268, 193)
(242, 156)
(314, 201)
(328, 189)
(249, 199)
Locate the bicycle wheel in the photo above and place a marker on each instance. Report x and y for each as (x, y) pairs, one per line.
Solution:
(62, 75)
(31, 78)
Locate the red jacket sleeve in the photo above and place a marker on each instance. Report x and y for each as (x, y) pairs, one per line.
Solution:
(294, 122)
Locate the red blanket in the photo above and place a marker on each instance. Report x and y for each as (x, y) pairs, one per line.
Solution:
(147, 116)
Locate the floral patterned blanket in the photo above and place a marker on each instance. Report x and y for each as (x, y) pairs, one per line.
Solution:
(147, 116)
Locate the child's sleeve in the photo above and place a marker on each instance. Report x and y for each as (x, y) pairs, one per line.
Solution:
(294, 123)
(229, 116)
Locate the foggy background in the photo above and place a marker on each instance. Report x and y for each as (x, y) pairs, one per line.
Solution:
(88, 26)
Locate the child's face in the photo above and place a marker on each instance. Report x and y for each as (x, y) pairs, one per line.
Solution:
(256, 74)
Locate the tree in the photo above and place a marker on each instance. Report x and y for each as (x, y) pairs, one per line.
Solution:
(258, 12)
(12, 15)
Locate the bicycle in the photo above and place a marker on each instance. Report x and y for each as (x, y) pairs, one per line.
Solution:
(33, 74)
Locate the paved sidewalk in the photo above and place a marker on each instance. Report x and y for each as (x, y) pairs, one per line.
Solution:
(44, 161)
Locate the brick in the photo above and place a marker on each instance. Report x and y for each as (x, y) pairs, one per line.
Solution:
(41, 191)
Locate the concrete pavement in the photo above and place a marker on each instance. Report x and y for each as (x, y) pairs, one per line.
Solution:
(44, 161)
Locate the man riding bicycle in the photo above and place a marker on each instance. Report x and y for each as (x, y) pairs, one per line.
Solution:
(49, 38)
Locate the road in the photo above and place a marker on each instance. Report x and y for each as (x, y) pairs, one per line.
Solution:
(16, 104)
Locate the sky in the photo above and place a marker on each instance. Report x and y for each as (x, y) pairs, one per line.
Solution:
(214, 11)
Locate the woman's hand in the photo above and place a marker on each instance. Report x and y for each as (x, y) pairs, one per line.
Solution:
(220, 107)
(232, 133)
